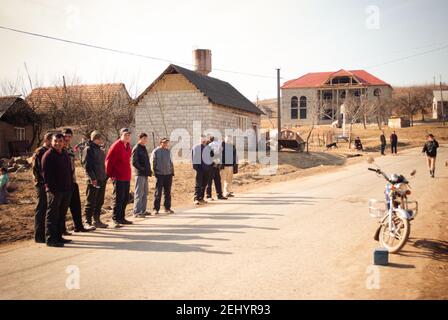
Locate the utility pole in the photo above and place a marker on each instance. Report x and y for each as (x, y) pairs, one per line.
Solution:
(441, 101)
(279, 117)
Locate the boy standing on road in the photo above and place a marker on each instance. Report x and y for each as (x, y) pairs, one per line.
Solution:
(118, 168)
(142, 169)
(430, 148)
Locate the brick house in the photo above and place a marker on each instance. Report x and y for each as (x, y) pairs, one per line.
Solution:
(180, 96)
(328, 91)
(16, 126)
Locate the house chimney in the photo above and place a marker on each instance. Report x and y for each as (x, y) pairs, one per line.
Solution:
(202, 60)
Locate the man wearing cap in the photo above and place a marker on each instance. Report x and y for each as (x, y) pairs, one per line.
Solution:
(93, 158)
(118, 168)
(162, 166)
(142, 169)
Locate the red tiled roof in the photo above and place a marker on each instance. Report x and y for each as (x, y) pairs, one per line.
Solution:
(317, 79)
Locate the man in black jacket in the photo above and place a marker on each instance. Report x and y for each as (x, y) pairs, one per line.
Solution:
(393, 142)
(58, 177)
(202, 160)
(430, 148)
(92, 159)
(39, 184)
(142, 169)
(383, 142)
(75, 199)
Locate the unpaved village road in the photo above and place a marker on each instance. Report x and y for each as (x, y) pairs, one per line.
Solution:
(302, 239)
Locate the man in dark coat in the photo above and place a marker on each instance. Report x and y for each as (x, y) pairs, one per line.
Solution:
(93, 158)
(41, 194)
(383, 142)
(142, 169)
(58, 177)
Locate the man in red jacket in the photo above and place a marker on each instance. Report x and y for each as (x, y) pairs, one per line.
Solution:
(118, 168)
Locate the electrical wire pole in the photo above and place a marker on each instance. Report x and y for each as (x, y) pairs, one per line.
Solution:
(279, 117)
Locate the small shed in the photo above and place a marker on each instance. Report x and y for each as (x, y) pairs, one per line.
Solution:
(17, 136)
(399, 122)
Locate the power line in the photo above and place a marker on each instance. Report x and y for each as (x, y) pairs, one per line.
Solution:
(408, 57)
(93, 46)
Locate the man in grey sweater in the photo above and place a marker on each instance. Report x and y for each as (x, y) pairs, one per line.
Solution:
(162, 166)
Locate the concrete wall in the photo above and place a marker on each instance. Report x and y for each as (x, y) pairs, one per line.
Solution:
(174, 103)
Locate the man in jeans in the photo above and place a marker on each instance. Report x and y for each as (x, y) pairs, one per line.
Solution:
(118, 168)
(93, 158)
(162, 166)
(58, 175)
(142, 169)
(39, 185)
(75, 199)
(202, 160)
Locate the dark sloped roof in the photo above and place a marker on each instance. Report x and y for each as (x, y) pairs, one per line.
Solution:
(217, 91)
(6, 103)
(15, 110)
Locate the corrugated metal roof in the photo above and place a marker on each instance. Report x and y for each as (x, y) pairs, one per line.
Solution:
(217, 91)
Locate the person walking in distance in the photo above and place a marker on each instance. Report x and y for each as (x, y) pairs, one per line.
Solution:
(393, 142)
(201, 160)
(39, 186)
(118, 168)
(215, 176)
(75, 199)
(58, 175)
(93, 158)
(142, 169)
(383, 142)
(163, 168)
(229, 165)
(430, 148)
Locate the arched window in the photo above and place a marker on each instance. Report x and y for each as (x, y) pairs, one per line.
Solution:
(294, 107)
(303, 107)
(377, 92)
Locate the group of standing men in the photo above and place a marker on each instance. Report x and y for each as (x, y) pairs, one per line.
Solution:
(57, 189)
(214, 163)
(393, 142)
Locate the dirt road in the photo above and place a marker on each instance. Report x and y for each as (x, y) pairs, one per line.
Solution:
(301, 239)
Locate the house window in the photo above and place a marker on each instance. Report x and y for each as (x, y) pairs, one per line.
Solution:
(241, 123)
(20, 133)
(294, 108)
(377, 92)
(303, 107)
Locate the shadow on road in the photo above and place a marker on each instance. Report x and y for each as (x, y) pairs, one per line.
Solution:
(433, 249)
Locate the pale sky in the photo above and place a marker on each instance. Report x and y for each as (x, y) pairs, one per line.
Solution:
(392, 39)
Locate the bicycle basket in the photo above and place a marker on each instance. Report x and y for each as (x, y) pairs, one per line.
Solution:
(377, 209)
